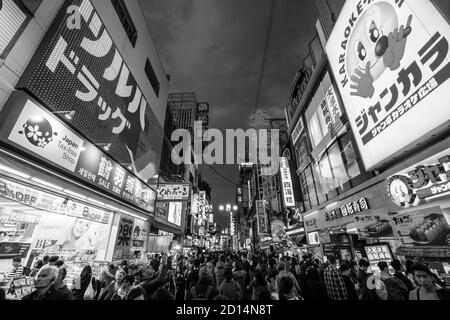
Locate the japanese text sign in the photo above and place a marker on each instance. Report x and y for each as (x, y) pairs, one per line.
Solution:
(286, 181)
(392, 69)
(174, 192)
(261, 218)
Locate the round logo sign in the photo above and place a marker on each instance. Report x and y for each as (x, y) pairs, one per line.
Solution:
(38, 131)
(401, 191)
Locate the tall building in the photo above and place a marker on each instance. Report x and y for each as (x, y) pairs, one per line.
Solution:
(184, 109)
(83, 98)
(372, 166)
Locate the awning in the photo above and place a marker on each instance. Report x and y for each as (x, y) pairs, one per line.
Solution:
(166, 226)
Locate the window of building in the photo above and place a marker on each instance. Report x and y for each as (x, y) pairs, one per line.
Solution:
(151, 75)
(349, 156)
(125, 19)
(311, 187)
(305, 191)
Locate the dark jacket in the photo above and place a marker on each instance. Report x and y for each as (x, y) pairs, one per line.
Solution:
(350, 287)
(201, 288)
(396, 289)
(315, 291)
(405, 280)
(52, 294)
(150, 286)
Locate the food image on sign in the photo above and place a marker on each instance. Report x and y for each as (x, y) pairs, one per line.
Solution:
(429, 229)
(381, 228)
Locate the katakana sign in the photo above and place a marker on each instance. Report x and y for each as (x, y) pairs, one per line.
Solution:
(174, 192)
(392, 69)
(79, 69)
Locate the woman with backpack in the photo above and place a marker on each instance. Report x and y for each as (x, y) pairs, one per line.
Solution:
(230, 288)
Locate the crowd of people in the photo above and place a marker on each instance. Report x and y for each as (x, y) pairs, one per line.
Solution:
(238, 276)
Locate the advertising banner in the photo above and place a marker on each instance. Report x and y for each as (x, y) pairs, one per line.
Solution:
(425, 227)
(175, 209)
(392, 69)
(377, 253)
(174, 192)
(31, 128)
(13, 20)
(139, 235)
(123, 245)
(80, 71)
(374, 226)
(63, 233)
(202, 204)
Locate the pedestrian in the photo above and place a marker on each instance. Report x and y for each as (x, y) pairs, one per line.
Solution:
(409, 273)
(123, 289)
(282, 272)
(105, 277)
(181, 287)
(61, 286)
(334, 281)
(204, 289)
(193, 276)
(396, 289)
(152, 278)
(44, 285)
(113, 286)
(17, 269)
(314, 289)
(345, 270)
(427, 289)
(85, 285)
(241, 276)
(260, 288)
(286, 290)
(136, 293)
(220, 270)
(230, 288)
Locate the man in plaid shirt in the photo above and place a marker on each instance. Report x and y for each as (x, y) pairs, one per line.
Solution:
(334, 282)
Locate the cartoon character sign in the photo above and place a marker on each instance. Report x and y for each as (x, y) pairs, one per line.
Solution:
(391, 65)
(377, 44)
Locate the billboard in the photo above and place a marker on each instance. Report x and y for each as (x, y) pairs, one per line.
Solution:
(174, 215)
(174, 192)
(29, 127)
(79, 72)
(261, 218)
(392, 70)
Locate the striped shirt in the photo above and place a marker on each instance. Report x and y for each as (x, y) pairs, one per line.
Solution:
(16, 272)
(334, 283)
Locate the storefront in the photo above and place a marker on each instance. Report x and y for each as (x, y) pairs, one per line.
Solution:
(343, 229)
(61, 195)
(419, 196)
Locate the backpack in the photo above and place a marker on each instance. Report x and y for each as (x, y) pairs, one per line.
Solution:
(201, 296)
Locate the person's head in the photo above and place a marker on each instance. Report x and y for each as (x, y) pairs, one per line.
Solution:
(345, 269)
(238, 266)
(281, 266)
(259, 279)
(62, 273)
(423, 275)
(222, 258)
(16, 261)
(80, 227)
(111, 267)
(127, 282)
(59, 263)
(228, 273)
(124, 263)
(137, 278)
(196, 263)
(204, 275)
(120, 275)
(313, 274)
(383, 266)
(332, 260)
(52, 260)
(397, 265)
(46, 277)
(408, 265)
(162, 294)
(137, 293)
(45, 259)
(286, 286)
(364, 264)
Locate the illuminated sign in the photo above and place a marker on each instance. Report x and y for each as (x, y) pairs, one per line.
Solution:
(174, 215)
(80, 70)
(203, 107)
(174, 192)
(261, 218)
(347, 209)
(429, 178)
(378, 253)
(286, 182)
(313, 238)
(391, 86)
(31, 128)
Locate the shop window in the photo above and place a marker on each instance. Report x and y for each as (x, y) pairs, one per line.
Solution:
(337, 166)
(314, 125)
(349, 156)
(125, 19)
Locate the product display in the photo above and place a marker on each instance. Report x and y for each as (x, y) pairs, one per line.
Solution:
(380, 229)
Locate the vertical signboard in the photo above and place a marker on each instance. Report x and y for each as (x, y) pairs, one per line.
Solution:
(122, 248)
(391, 63)
(286, 181)
(261, 218)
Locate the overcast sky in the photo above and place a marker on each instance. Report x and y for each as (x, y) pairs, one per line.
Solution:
(214, 48)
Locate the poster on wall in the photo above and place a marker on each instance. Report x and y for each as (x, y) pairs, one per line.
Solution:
(373, 226)
(392, 70)
(63, 233)
(122, 248)
(174, 215)
(139, 236)
(425, 227)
